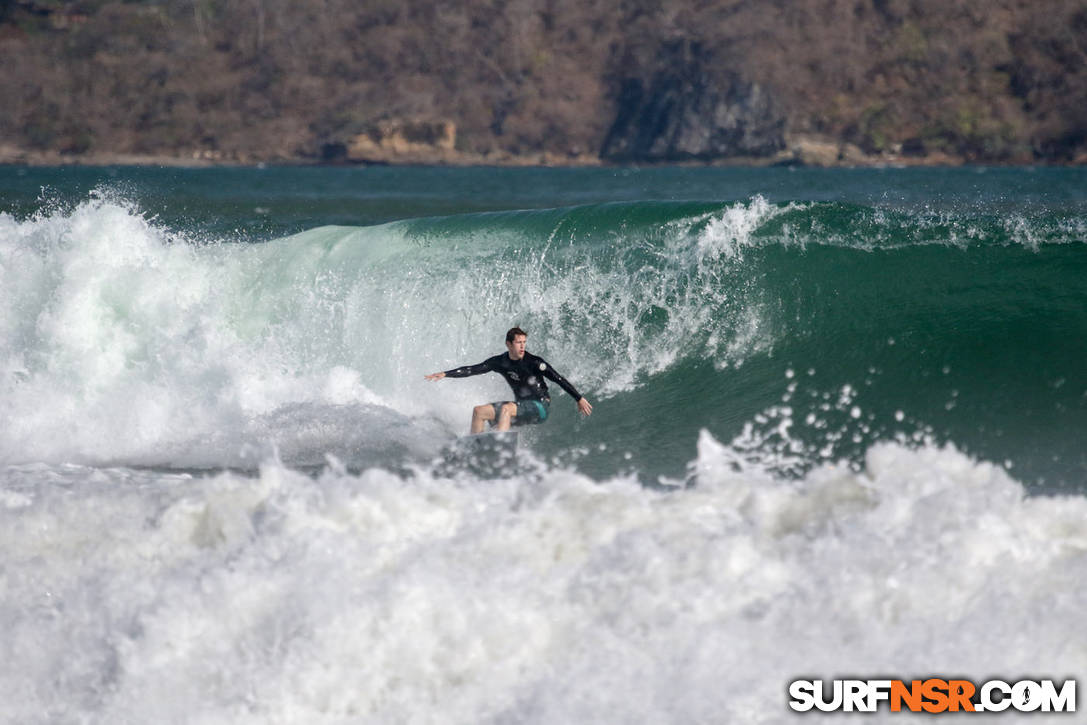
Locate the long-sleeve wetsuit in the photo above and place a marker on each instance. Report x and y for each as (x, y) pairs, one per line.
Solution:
(525, 376)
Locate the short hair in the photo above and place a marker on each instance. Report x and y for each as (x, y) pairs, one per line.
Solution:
(513, 332)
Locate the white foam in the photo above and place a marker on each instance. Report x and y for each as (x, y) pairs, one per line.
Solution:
(123, 342)
(374, 598)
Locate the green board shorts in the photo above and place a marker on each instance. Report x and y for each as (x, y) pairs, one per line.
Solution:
(528, 411)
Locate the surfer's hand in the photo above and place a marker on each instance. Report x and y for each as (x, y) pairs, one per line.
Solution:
(584, 406)
(434, 376)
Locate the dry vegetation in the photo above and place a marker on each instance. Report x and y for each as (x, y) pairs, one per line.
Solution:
(275, 79)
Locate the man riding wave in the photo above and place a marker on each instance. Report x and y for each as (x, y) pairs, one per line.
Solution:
(525, 374)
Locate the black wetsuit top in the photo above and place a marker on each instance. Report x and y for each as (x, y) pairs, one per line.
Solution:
(525, 376)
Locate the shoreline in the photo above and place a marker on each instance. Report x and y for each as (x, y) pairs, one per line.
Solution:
(796, 158)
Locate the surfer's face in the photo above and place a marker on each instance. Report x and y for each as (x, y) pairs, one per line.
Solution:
(517, 347)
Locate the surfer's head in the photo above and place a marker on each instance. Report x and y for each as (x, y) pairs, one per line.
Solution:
(515, 342)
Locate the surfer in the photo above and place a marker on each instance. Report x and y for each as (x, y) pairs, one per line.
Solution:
(525, 374)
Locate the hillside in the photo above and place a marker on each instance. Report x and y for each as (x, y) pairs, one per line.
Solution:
(550, 81)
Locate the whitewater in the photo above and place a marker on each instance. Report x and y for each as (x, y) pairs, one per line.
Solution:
(837, 433)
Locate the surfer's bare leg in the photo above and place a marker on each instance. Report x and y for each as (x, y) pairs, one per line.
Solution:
(480, 415)
(509, 412)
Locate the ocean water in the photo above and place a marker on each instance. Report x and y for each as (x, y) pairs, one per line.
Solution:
(838, 431)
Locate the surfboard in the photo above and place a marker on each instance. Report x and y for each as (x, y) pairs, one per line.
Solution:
(486, 455)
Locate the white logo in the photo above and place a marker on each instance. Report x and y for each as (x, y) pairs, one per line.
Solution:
(933, 695)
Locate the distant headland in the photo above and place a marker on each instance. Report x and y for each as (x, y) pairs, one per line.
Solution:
(561, 83)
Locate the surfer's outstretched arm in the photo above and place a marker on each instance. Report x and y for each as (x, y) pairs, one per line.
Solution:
(463, 372)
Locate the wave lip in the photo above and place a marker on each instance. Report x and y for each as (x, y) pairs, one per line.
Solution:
(728, 233)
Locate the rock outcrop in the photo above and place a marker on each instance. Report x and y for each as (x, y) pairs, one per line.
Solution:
(404, 141)
(808, 150)
(692, 110)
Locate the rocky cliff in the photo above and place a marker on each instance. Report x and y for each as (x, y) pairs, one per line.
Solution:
(692, 110)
